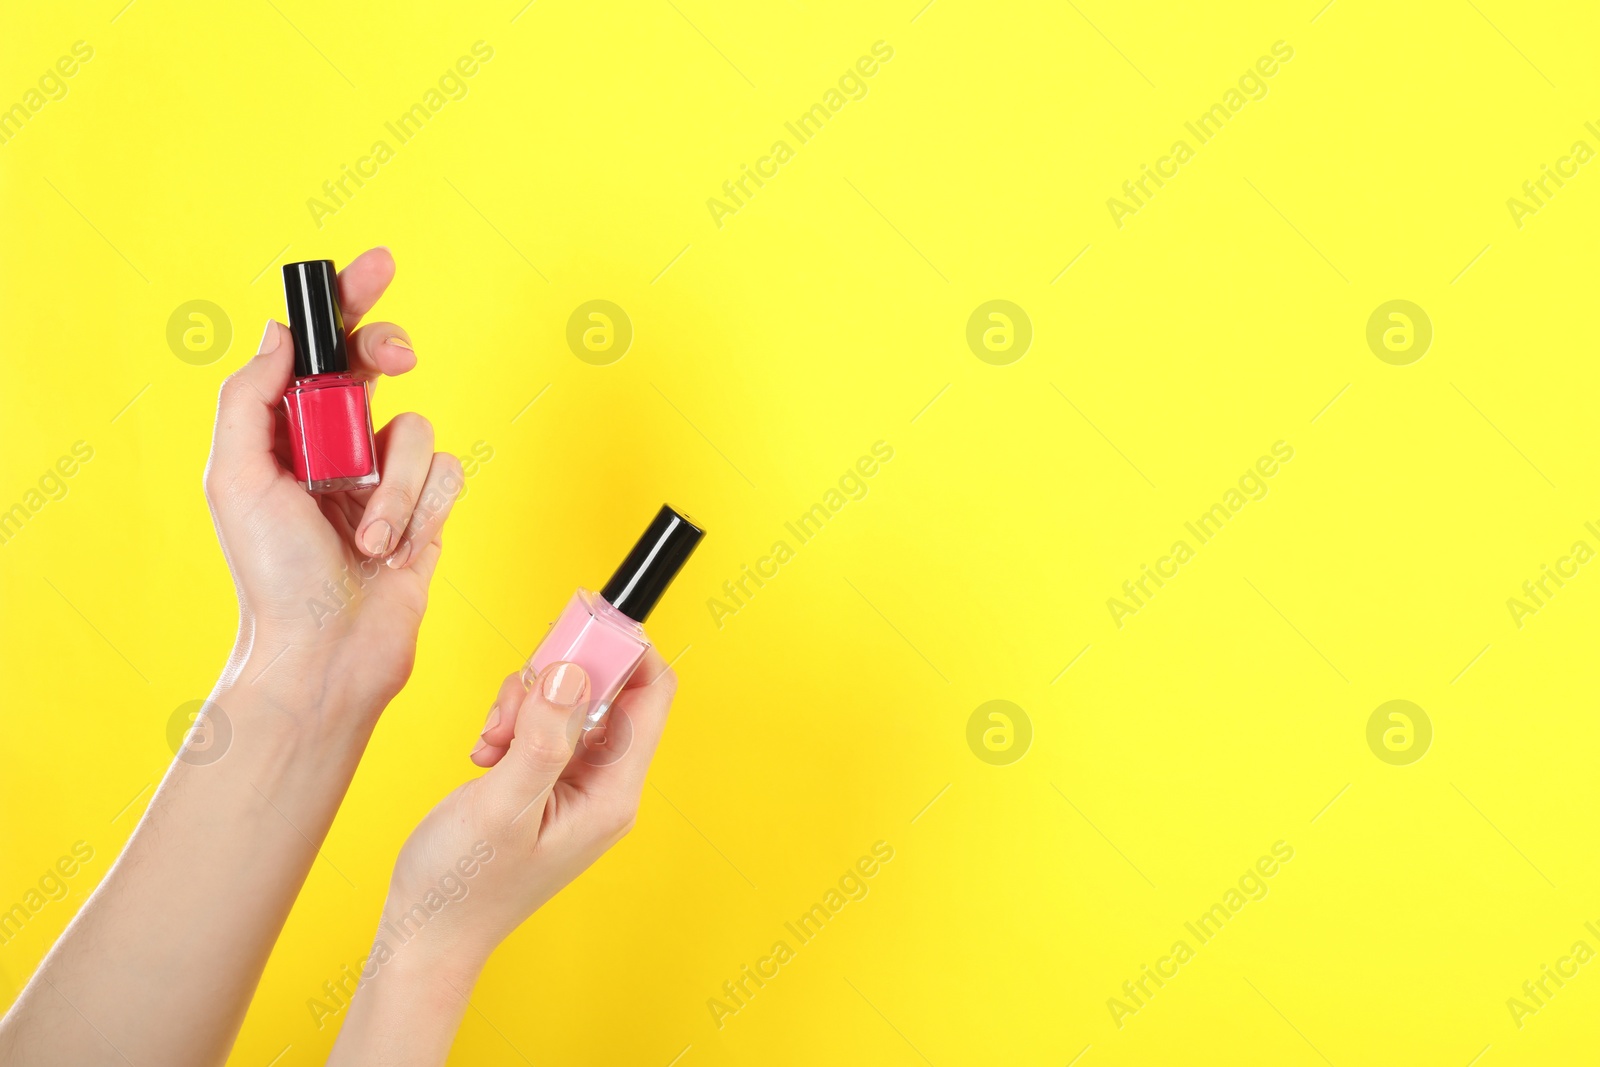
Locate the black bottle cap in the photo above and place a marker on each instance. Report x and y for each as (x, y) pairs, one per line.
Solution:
(311, 290)
(652, 564)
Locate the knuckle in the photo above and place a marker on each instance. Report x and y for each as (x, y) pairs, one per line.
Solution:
(436, 495)
(413, 423)
(541, 751)
(451, 475)
(618, 816)
(230, 390)
(500, 812)
(400, 500)
(213, 481)
(225, 483)
(399, 491)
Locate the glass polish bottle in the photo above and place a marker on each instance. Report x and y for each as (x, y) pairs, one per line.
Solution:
(603, 632)
(329, 409)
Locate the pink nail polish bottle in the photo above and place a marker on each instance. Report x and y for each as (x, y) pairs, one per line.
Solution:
(602, 632)
(330, 417)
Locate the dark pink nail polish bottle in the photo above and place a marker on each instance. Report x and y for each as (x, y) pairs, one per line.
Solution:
(330, 414)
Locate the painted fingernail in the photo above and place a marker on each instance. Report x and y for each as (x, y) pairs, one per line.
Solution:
(400, 556)
(564, 685)
(494, 720)
(399, 342)
(269, 337)
(376, 539)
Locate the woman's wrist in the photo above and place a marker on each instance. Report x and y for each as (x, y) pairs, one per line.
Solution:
(420, 941)
(303, 692)
(439, 971)
(408, 1007)
(279, 748)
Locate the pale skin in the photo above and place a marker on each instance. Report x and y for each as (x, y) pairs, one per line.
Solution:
(160, 964)
(551, 803)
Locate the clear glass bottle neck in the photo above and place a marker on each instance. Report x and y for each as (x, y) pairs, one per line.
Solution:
(602, 609)
(312, 381)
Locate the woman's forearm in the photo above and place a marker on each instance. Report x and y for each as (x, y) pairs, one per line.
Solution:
(332, 577)
(160, 964)
(407, 1010)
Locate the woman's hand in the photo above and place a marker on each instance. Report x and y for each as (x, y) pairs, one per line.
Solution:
(334, 585)
(552, 803)
(327, 634)
(497, 848)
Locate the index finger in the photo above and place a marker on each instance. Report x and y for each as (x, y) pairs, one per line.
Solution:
(362, 282)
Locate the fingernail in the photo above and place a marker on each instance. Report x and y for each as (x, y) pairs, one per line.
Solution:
(400, 556)
(481, 746)
(376, 541)
(494, 720)
(527, 677)
(400, 342)
(564, 684)
(269, 338)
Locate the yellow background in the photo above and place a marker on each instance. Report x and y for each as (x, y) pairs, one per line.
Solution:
(771, 353)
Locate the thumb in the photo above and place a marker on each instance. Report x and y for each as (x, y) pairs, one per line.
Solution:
(547, 728)
(248, 400)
